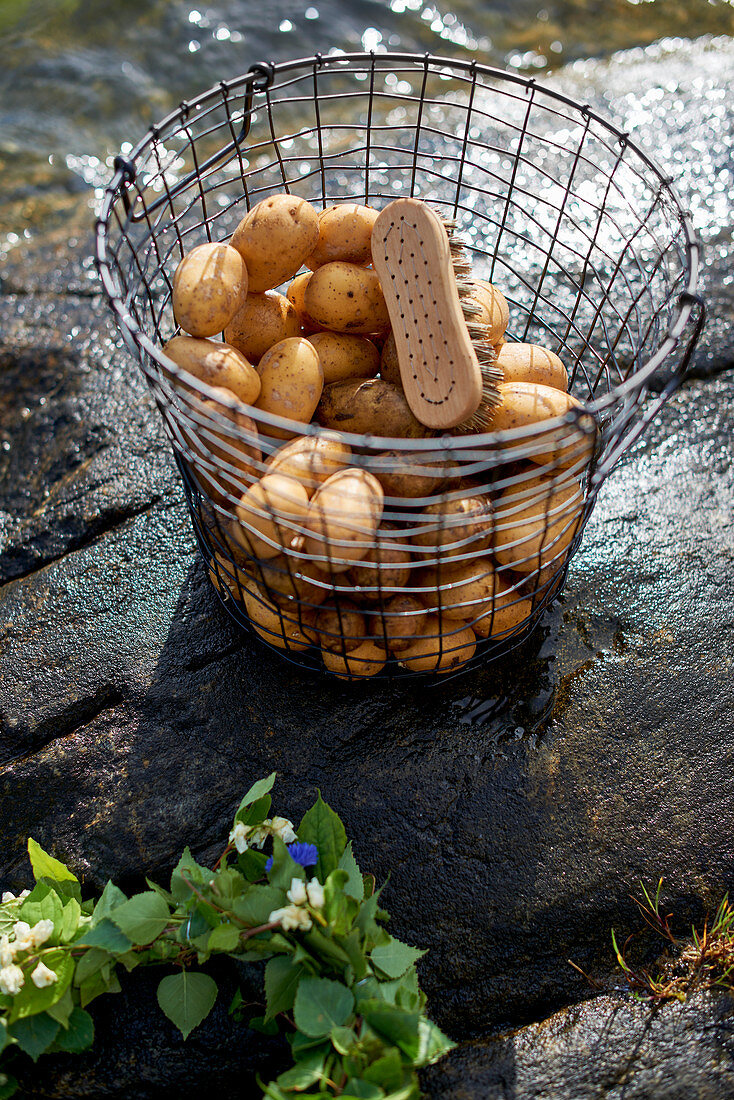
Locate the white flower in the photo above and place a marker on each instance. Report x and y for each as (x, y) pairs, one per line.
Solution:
(42, 976)
(297, 892)
(6, 951)
(238, 837)
(23, 895)
(41, 932)
(23, 936)
(315, 894)
(291, 917)
(259, 835)
(8, 896)
(11, 980)
(283, 828)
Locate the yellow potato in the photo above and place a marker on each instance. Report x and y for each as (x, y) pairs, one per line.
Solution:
(343, 356)
(442, 647)
(461, 592)
(270, 514)
(535, 522)
(389, 364)
(310, 459)
(385, 567)
(209, 286)
(457, 527)
(345, 233)
(281, 628)
(509, 611)
(296, 294)
(409, 475)
(346, 298)
(342, 518)
(275, 238)
(495, 311)
(227, 577)
(402, 621)
(340, 628)
(527, 403)
(286, 578)
(370, 407)
(532, 363)
(366, 660)
(291, 381)
(262, 320)
(216, 364)
(230, 453)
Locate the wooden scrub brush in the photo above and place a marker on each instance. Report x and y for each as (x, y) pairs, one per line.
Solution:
(447, 365)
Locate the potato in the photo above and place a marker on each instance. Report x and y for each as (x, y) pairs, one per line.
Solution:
(295, 294)
(343, 356)
(342, 518)
(209, 286)
(346, 298)
(310, 459)
(389, 363)
(532, 363)
(457, 527)
(291, 381)
(261, 321)
(227, 577)
(345, 233)
(460, 592)
(409, 475)
(286, 579)
(233, 450)
(509, 611)
(442, 647)
(281, 628)
(385, 567)
(366, 660)
(216, 364)
(495, 310)
(270, 514)
(275, 238)
(402, 621)
(528, 403)
(372, 407)
(340, 628)
(535, 522)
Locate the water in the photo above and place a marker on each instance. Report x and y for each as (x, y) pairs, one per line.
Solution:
(79, 78)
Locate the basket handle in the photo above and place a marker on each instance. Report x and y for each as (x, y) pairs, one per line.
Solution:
(682, 373)
(262, 74)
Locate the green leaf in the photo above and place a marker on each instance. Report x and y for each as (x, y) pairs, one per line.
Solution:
(408, 1091)
(45, 866)
(107, 936)
(225, 937)
(321, 944)
(320, 1005)
(281, 981)
(80, 1033)
(187, 868)
(284, 868)
(257, 812)
(386, 1071)
(365, 1090)
(322, 827)
(143, 917)
(165, 894)
(35, 1034)
(397, 1025)
(110, 899)
(187, 999)
(433, 1044)
(63, 1008)
(343, 1038)
(9, 1086)
(257, 903)
(257, 790)
(43, 903)
(259, 1024)
(252, 864)
(305, 1073)
(355, 883)
(394, 958)
(404, 991)
(31, 1000)
(352, 945)
(96, 984)
(92, 961)
(69, 926)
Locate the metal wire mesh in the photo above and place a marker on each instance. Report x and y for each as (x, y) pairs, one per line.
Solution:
(471, 535)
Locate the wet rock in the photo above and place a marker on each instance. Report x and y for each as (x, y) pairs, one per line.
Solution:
(605, 1049)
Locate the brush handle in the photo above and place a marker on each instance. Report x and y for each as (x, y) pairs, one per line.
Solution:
(439, 369)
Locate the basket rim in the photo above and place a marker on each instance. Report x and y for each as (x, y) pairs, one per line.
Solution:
(687, 299)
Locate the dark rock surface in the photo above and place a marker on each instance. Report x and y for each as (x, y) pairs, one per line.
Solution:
(514, 808)
(605, 1049)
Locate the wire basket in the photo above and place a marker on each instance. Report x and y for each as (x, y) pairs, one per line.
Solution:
(473, 533)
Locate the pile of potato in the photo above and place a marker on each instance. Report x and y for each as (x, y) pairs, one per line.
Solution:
(368, 553)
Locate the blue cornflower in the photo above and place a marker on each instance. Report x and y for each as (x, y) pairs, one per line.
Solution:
(305, 854)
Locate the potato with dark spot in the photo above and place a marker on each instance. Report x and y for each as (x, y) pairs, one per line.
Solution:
(510, 610)
(291, 381)
(442, 647)
(345, 233)
(295, 294)
(229, 454)
(275, 238)
(342, 519)
(402, 621)
(343, 356)
(458, 527)
(370, 407)
(405, 475)
(532, 363)
(385, 568)
(528, 403)
(366, 660)
(389, 365)
(270, 514)
(536, 521)
(339, 627)
(216, 364)
(281, 627)
(209, 286)
(311, 459)
(261, 321)
(346, 298)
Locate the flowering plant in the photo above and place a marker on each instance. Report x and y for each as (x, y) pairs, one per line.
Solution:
(343, 988)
